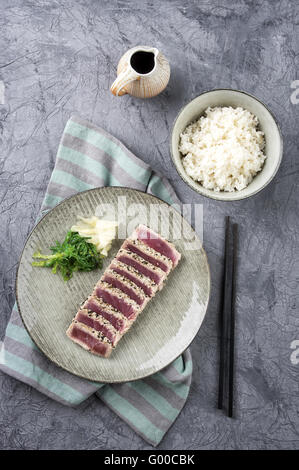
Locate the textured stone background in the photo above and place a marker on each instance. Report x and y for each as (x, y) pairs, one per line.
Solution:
(59, 57)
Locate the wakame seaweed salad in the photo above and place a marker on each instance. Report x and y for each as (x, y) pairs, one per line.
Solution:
(75, 253)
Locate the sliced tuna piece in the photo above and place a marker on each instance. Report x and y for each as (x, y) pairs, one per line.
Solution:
(89, 339)
(98, 323)
(125, 285)
(116, 318)
(148, 286)
(158, 243)
(118, 299)
(144, 267)
(148, 254)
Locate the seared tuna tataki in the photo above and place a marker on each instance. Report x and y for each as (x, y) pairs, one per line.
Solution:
(139, 269)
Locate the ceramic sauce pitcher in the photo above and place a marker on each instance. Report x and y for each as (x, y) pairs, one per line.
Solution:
(142, 72)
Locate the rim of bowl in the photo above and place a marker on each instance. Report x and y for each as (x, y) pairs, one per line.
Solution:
(217, 196)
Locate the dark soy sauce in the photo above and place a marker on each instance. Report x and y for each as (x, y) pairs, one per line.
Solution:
(143, 62)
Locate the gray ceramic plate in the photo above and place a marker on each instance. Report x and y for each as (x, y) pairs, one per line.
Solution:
(164, 329)
(234, 98)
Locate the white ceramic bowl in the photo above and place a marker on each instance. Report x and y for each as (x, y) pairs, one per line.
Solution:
(225, 97)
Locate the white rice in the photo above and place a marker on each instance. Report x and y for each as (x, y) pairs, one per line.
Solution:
(223, 150)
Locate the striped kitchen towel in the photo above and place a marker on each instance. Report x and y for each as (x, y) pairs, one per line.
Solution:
(89, 157)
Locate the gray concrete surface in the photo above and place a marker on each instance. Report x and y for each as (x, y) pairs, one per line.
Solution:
(59, 57)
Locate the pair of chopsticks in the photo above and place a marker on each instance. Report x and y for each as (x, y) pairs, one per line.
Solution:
(227, 318)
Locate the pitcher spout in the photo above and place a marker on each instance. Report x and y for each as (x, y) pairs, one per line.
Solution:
(155, 52)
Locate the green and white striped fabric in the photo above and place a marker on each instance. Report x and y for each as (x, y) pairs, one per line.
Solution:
(89, 157)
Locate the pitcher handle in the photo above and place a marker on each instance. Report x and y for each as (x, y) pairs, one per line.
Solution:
(126, 76)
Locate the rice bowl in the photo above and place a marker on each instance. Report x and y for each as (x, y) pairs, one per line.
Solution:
(224, 98)
(223, 149)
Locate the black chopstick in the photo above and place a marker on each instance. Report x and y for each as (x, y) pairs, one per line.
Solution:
(232, 325)
(223, 317)
(227, 318)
